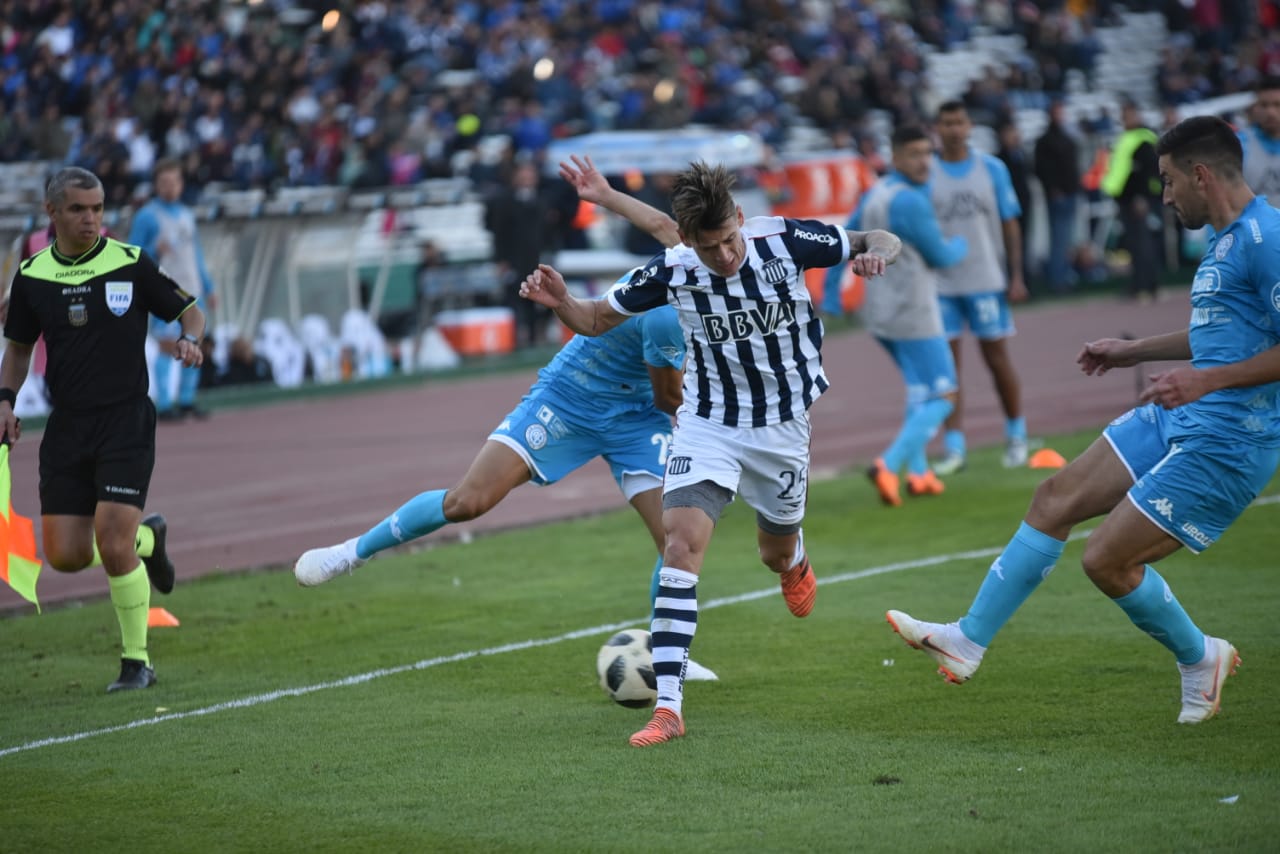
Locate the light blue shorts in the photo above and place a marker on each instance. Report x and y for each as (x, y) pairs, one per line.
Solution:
(555, 436)
(927, 367)
(1193, 486)
(987, 315)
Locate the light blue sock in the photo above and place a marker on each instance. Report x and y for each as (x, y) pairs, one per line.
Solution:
(654, 583)
(417, 517)
(1015, 428)
(1153, 608)
(923, 424)
(918, 462)
(188, 382)
(953, 441)
(917, 429)
(1014, 576)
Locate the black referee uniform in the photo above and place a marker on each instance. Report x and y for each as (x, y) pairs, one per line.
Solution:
(99, 444)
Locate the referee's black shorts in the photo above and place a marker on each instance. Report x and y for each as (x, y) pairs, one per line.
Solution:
(104, 454)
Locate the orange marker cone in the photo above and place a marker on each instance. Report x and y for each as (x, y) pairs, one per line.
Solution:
(1046, 458)
(160, 617)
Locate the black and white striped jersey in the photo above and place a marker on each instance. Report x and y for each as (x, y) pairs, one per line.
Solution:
(753, 339)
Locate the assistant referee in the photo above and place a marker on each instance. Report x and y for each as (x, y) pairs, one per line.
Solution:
(90, 297)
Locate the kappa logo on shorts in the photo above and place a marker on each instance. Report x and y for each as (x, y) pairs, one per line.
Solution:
(119, 297)
(535, 436)
(1163, 506)
(679, 465)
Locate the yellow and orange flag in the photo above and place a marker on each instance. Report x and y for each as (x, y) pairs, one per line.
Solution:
(19, 566)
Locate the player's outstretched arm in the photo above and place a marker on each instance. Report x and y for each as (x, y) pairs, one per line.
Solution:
(546, 286)
(872, 251)
(594, 187)
(1098, 357)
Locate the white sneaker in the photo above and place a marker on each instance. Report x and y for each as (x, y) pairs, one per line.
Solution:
(1015, 453)
(949, 465)
(317, 566)
(695, 672)
(957, 656)
(1202, 682)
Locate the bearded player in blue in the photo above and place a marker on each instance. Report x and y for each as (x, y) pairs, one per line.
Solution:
(1178, 470)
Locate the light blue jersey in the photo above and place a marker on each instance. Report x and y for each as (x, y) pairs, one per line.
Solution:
(1235, 314)
(1197, 467)
(607, 374)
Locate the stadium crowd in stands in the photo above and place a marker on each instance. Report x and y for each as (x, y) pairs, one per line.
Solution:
(271, 93)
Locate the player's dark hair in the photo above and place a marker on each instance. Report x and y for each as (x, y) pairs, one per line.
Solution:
(702, 199)
(1203, 139)
(55, 192)
(907, 134)
(952, 106)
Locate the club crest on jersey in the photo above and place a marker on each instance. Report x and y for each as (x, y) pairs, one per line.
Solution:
(774, 271)
(119, 297)
(78, 314)
(1224, 246)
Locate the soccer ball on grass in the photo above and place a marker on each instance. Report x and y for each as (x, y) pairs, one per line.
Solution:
(625, 667)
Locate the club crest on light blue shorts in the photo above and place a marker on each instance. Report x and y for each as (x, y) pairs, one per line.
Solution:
(555, 436)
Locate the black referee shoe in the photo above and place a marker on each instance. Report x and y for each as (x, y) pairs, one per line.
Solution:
(134, 674)
(159, 567)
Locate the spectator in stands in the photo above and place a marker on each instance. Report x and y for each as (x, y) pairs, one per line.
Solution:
(655, 191)
(244, 365)
(1133, 180)
(1261, 141)
(1014, 156)
(520, 220)
(165, 228)
(1057, 166)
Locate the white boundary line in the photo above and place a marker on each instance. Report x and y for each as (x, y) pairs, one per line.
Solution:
(426, 663)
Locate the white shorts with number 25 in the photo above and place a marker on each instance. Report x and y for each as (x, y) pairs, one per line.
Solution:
(767, 466)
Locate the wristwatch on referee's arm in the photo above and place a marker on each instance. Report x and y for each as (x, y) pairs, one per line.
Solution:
(187, 336)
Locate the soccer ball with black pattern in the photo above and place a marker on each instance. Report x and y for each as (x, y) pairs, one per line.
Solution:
(625, 667)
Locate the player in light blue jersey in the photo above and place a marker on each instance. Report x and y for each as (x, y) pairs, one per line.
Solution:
(973, 197)
(901, 311)
(166, 230)
(609, 397)
(1178, 470)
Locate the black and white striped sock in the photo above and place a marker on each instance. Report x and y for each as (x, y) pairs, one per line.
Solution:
(675, 619)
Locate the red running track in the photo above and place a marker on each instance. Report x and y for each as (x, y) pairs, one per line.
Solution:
(255, 487)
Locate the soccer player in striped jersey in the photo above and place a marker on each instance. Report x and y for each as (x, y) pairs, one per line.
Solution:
(753, 368)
